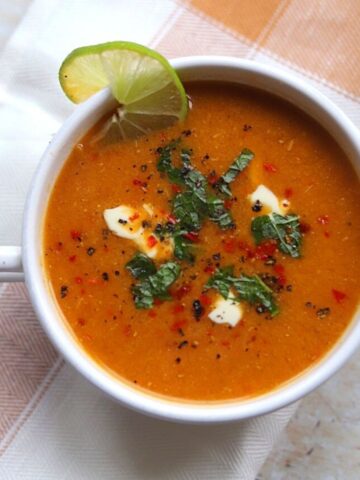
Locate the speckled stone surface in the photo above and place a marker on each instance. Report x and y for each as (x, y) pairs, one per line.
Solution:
(322, 441)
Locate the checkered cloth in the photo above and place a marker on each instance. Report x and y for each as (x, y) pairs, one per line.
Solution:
(53, 423)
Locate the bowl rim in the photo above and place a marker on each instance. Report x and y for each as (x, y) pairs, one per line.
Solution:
(57, 331)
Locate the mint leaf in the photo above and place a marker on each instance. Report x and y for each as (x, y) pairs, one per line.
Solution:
(141, 266)
(254, 291)
(219, 214)
(183, 248)
(155, 286)
(222, 280)
(238, 165)
(284, 229)
(249, 288)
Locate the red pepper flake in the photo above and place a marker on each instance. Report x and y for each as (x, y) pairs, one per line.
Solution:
(152, 313)
(182, 291)
(192, 236)
(280, 271)
(178, 325)
(270, 167)
(205, 299)
(323, 219)
(78, 280)
(304, 227)
(288, 193)
(228, 204)
(81, 322)
(171, 219)
(209, 269)
(72, 258)
(339, 296)
(151, 241)
(265, 249)
(178, 308)
(127, 330)
(139, 183)
(229, 245)
(326, 234)
(176, 188)
(225, 343)
(134, 217)
(75, 235)
(212, 178)
(244, 246)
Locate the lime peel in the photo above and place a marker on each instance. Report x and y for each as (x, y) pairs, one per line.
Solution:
(143, 82)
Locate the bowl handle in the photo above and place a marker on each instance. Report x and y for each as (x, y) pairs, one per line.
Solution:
(10, 264)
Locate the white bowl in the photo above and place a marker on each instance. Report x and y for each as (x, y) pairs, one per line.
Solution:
(224, 69)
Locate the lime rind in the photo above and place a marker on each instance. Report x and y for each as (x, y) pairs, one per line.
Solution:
(137, 77)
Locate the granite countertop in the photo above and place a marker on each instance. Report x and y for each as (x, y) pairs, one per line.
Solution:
(322, 440)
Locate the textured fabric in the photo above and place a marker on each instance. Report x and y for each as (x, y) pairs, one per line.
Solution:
(54, 424)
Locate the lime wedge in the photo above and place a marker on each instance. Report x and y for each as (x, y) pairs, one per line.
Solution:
(148, 89)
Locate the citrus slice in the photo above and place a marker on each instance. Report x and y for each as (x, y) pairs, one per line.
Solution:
(148, 89)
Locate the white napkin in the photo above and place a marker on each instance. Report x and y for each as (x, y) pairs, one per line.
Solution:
(70, 430)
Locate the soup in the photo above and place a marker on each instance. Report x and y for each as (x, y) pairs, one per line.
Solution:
(213, 260)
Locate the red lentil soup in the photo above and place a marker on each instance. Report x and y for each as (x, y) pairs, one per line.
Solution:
(173, 347)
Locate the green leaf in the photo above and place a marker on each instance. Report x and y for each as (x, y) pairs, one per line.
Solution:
(222, 280)
(219, 214)
(238, 165)
(141, 266)
(284, 229)
(254, 291)
(165, 164)
(249, 288)
(183, 248)
(156, 285)
(189, 210)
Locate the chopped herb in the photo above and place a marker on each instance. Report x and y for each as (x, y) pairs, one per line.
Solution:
(284, 229)
(90, 251)
(141, 266)
(155, 285)
(249, 288)
(122, 221)
(105, 276)
(143, 167)
(238, 165)
(219, 214)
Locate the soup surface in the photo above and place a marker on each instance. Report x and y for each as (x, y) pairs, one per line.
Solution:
(173, 347)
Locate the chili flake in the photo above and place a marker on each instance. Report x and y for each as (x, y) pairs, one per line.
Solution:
(270, 167)
(151, 241)
(339, 296)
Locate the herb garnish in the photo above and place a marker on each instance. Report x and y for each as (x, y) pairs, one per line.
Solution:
(195, 202)
(141, 266)
(238, 165)
(249, 288)
(153, 284)
(284, 229)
